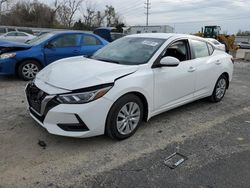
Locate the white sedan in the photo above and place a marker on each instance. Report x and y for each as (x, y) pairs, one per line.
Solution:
(127, 82)
(16, 36)
(217, 44)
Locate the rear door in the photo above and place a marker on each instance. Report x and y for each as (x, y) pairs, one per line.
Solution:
(207, 67)
(63, 46)
(90, 44)
(21, 37)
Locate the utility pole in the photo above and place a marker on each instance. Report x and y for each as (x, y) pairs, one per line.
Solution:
(147, 10)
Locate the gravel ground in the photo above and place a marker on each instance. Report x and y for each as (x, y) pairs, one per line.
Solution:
(215, 138)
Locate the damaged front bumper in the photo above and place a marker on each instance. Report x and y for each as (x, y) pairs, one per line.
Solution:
(7, 66)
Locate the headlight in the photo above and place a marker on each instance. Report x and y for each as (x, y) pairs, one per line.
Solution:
(7, 55)
(85, 97)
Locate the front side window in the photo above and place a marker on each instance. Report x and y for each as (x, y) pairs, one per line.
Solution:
(11, 34)
(178, 50)
(90, 41)
(66, 41)
(129, 50)
(200, 48)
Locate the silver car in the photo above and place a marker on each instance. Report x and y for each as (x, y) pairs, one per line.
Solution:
(17, 36)
(244, 45)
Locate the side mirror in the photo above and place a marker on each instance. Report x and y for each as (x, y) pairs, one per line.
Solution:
(169, 61)
(49, 45)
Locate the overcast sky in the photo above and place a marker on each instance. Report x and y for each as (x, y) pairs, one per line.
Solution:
(184, 15)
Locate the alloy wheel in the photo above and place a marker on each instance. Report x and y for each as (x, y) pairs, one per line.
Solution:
(221, 88)
(128, 118)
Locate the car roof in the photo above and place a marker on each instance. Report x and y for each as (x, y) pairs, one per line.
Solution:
(165, 36)
(17, 32)
(69, 32)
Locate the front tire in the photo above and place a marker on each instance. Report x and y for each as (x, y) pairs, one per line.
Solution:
(27, 70)
(124, 117)
(219, 89)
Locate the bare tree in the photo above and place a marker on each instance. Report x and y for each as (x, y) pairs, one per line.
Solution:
(110, 14)
(55, 7)
(99, 18)
(73, 6)
(4, 6)
(2, 2)
(88, 14)
(34, 14)
(64, 14)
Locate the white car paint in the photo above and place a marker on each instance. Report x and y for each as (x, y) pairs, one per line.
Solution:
(17, 36)
(164, 88)
(217, 44)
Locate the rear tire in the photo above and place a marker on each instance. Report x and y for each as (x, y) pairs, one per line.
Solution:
(219, 89)
(28, 69)
(124, 117)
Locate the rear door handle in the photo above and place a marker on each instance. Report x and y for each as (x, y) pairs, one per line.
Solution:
(191, 69)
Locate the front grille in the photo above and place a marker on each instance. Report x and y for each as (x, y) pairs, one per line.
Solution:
(35, 97)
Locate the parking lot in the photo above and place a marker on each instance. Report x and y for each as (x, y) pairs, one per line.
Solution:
(214, 137)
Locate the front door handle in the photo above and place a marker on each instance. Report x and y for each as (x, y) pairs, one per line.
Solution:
(191, 69)
(76, 51)
(218, 62)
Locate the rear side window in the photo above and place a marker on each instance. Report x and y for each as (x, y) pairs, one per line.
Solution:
(210, 48)
(90, 41)
(216, 42)
(67, 41)
(21, 34)
(200, 49)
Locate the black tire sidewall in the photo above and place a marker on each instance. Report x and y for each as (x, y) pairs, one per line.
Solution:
(111, 127)
(20, 68)
(214, 97)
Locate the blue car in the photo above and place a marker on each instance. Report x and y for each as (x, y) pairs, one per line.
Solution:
(26, 60)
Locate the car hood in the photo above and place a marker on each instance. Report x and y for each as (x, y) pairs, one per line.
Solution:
(80, 72)
(7, 46)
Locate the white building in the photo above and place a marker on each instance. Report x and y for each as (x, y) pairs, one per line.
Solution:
(149, 29)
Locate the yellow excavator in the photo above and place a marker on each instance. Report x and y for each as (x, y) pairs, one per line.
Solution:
(214, 32)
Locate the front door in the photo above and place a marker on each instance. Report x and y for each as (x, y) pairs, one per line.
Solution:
(67, 45)
(175, 85)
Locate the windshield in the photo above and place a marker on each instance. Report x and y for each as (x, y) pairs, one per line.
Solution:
(40, 39)
(129, 50)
